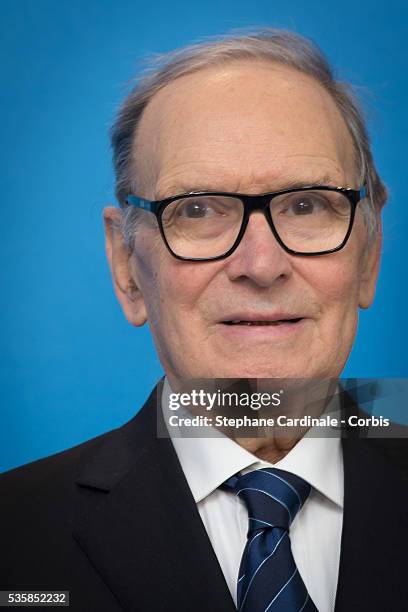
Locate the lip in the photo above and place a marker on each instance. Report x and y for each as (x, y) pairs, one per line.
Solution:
(261, 317)
(262, 332)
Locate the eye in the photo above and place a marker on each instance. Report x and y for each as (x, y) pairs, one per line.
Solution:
(306, 205)
(302, 208)
(309, 204)
(196, 209)
(201, 208)
(211, 211)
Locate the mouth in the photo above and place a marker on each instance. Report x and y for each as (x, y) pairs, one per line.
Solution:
(274, 323)
(262, 327)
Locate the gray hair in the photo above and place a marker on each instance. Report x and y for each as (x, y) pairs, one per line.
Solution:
(271, 45)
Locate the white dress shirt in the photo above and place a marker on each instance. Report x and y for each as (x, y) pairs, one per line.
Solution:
(315, 533)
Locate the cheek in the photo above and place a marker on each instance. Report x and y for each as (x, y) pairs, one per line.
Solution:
(339, 287)
(337, 276)
(336, 291)
(183, 289)
(334, 287)
(171, 288)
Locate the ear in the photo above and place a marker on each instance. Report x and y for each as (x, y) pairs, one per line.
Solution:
(370, 269)
(124, 278)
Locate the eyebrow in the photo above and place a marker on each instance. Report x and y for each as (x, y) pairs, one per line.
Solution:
(290, 183)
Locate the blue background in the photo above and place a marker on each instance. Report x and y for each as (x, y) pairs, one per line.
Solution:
(71, 366)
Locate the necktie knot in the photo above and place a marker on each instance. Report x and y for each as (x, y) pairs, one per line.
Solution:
(273, 497)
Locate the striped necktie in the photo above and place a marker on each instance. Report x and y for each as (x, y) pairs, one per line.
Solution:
(268, 579)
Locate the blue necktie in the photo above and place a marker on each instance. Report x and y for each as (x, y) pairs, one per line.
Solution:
(268, 579)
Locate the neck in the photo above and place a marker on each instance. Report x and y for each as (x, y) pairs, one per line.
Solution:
(268, 449)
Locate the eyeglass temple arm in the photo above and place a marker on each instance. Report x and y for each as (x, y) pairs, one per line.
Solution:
(141, 203)
(364, 192)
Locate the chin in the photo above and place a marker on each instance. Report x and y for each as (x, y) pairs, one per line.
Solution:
(274, 369)
(260, 371)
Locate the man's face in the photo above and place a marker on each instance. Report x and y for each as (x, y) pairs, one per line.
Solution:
(247, 128)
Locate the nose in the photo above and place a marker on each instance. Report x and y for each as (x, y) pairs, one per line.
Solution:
(259, 257)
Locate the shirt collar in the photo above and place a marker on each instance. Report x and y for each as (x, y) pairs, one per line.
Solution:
(208, 462)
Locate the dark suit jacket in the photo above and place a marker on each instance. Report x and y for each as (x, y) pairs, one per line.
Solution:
(114, 522)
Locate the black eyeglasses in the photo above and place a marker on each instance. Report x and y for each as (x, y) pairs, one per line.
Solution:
(206, 226)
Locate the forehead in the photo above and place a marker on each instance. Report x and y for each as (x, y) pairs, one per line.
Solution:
(247, 126)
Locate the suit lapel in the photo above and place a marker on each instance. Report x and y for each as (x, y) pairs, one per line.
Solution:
(139, 525)
(374, 537)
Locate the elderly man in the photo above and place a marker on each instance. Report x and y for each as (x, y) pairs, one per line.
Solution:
(248, 237)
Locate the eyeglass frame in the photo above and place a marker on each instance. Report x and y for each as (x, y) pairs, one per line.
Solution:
(251, 203)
